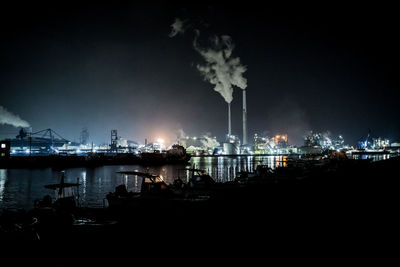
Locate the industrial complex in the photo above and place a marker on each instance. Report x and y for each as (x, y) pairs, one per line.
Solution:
(49, 142)
(30, 148)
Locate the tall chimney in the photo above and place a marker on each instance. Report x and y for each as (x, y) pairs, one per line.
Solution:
(244, 118)
(229, 121)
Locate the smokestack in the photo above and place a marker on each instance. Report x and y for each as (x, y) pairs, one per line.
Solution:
(229, 121)
(244, 118)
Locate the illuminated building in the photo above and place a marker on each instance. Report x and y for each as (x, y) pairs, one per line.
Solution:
(5, 149)
(380, 143)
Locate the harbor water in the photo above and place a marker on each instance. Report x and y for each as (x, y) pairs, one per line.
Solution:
(20, 187)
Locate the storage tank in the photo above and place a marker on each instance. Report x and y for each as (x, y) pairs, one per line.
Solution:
(228, 149)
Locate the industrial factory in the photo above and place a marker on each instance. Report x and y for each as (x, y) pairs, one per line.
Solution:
(46, 142)
(224, 71)
(49, 142)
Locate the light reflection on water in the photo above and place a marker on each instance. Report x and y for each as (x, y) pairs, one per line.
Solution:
(20, 187)
(374, 157)
(226, 168)
(3, 180)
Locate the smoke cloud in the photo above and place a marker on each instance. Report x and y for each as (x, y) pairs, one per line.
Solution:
(209, 142)
(181, 134)
(221, 69)
(177, 27)
(287, 117)
(9, 118)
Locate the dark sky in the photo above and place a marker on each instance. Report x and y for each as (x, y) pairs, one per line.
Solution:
(319, 68)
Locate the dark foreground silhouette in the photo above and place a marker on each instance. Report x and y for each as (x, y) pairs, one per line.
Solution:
(340, 199)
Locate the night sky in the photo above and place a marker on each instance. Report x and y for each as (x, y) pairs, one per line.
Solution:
(107, 67)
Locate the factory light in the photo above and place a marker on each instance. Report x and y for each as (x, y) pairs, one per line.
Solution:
(160, 140)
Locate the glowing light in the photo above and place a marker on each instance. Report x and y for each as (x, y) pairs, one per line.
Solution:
(78, 151)
(27, 151)
(160, 140)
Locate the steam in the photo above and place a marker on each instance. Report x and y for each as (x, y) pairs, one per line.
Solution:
(9, 118)
(181, 134)
(177, 27)
(209, 142)
(221, 69)
(288, 117)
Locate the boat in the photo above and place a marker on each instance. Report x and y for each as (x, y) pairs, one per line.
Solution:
(64, 217)
(64, 195)
(153, 188)
(199, 187)
(199, 179)
(262, 174)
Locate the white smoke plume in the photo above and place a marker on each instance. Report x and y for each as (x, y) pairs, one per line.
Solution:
(181, 134)
(6, 117)
(221, 69)
(177, 27)
(209, 142)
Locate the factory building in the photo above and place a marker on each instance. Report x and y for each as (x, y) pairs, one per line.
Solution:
(232, 147)
(44, 142)
(280, 140)
(394, 147)
(204, 145)
(277, 144)
(153, 147)
(380, 143)
(41, 146)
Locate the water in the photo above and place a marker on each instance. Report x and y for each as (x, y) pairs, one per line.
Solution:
(20, 187)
